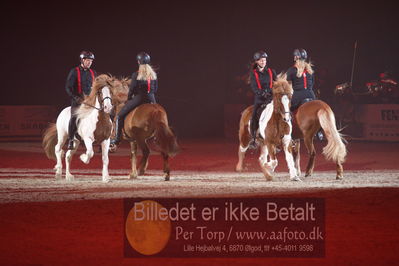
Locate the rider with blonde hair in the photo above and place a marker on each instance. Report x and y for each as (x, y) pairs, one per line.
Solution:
(301, 74)
(142, 89)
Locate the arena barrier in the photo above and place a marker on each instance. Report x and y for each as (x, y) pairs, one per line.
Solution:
(24, 122)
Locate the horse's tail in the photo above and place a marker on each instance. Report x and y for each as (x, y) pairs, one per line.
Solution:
(50, 140)
(335, 149)
(164, 136)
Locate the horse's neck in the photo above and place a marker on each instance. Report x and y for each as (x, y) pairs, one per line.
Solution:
(91, 114)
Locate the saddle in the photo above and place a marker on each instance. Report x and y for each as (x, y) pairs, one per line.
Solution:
(295, 108)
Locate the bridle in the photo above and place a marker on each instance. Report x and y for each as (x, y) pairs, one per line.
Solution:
(283, 113)
(99, 96)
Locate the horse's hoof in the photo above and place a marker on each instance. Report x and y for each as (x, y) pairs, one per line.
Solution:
(70, 178)
(58, 176)
(167, 176)
(339, 177)
(141, 172)
(112, 148)
(84, 158)
(298, 173)
(239, 169)
(107, 179)
(133, 176)
(308, 174)
(269, 178)
(295, 178)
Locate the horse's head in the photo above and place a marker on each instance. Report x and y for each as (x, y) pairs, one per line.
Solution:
(105, 98)
(282, 94)
(102, 89)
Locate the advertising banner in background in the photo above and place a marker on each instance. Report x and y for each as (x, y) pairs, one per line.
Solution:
(379, 121)
(25, 120)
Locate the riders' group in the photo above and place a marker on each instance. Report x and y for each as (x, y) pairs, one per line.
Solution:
(144, 85)
(142, 89)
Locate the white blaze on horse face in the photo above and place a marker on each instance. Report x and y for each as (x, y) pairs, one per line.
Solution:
(107, 102)
(286, 103)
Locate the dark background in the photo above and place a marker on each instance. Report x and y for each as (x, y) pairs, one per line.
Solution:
(200, 48)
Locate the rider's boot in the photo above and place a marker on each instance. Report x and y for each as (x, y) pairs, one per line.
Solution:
(118, 131)
(72, 128)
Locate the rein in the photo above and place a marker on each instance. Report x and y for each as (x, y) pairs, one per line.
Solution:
(285, 112)
(101, 109)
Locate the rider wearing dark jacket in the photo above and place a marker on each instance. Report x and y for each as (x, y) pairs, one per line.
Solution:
(142, 89)
(301, 75)
(261, 81)
(78, 85)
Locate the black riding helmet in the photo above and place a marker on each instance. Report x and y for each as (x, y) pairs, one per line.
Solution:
(301, 53)
(86, 55)
(260, 54)
(143, 58)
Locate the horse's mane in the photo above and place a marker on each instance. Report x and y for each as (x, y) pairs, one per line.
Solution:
(281, 85)
(120, 89)
(98, 83)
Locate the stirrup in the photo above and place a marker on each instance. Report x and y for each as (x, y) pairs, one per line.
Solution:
(320, 135)
(114, 142)
(252, 144)
(113, 147)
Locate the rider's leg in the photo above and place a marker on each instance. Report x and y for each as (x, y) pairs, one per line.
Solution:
(72, 127)
(120, 118)
(254, 125)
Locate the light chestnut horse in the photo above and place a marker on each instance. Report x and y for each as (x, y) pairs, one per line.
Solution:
(309, 118)
(275, 128)
(147, 127)
(94, 126)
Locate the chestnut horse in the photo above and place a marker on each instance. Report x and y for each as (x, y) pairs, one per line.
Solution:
(309, 118)
(275, 128)
(147, 127)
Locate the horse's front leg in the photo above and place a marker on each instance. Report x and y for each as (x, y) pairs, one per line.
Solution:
(296, 152)
(105, 149)
(133, 159)
(166, 168)
(85, 157)
(289, 158)
(263, 162)
(272, 163)
(241, 156)
(68, 159)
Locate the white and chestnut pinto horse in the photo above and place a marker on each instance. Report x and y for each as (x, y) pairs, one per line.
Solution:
(275, 127)
(94, 126)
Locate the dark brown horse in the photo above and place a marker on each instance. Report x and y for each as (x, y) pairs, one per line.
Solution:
(309, 118)
(147, 127)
